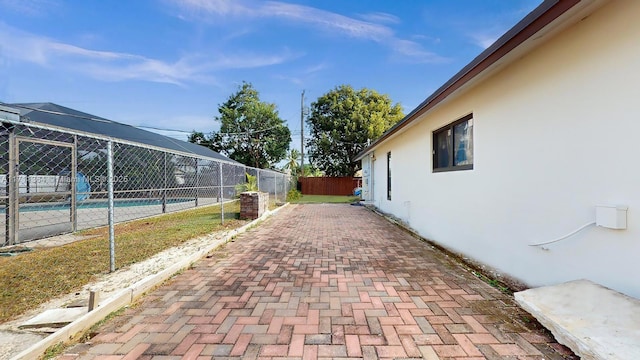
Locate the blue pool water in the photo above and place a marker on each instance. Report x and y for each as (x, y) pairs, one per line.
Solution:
(99, 204)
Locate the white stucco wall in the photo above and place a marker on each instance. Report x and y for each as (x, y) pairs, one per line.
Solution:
(367, 179)
(555, 134)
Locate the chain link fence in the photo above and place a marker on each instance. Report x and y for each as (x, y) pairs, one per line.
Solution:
(54, 181)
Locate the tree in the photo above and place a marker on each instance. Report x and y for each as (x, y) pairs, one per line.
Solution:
(292, 161)
(251, 132)
(199, 138)
(343, 122)
(311, 171)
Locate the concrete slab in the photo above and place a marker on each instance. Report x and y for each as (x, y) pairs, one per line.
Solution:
(83, 302)
(592, 320)
(12, 342)
(54, 318)
(58, 240)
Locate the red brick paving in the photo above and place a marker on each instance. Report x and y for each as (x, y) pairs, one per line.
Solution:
(324, 281)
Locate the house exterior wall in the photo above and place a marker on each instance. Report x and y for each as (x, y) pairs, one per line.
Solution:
(555, 134)
(366, 179)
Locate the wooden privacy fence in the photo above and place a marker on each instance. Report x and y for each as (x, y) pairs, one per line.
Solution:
(329, 185)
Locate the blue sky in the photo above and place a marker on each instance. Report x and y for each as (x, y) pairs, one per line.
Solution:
(170, 63)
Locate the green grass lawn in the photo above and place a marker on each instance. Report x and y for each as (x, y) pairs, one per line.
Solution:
(326, 199)
(33, 278)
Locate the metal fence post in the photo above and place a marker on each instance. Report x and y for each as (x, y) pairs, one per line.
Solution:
(258, 179)
(221, 194)
(74, 189)
(275, 187)
(13, 198)
(7, 204)
(287, 183)
(164, 187)
(112, 246)
(197, 181)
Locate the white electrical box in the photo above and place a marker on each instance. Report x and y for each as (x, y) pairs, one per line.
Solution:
(611, 216)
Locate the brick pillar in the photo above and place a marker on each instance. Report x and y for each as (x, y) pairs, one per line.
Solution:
(253, 204)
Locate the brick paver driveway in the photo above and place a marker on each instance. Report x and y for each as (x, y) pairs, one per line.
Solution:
(323, 281)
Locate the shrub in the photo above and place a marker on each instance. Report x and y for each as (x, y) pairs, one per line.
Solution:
(293, 195)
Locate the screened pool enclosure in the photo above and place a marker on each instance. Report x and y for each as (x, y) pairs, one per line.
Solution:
(59, 166)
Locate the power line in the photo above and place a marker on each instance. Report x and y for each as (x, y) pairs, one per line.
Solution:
(223, 133)
(251, 132)
(162, 129)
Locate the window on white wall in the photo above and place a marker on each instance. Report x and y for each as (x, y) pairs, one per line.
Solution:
(389, 175)
(453, 146)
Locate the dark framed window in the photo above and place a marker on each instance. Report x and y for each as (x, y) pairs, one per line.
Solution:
(389, 175)
(453, 146)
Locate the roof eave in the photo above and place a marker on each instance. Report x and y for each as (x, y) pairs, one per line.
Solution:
(538, 19)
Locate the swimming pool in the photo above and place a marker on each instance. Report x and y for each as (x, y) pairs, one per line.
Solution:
(98, 204)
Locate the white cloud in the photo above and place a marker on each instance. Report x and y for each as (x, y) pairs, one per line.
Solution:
(29, 7)
(301, 77)
(412, 52)
(251, 60)
(484, 40)
(115, 66)
(380, 17)
(316, 68)
(485, 34)
(220, 7)
(292, 79)
(202, 9)
(327, 20)
(214, 10)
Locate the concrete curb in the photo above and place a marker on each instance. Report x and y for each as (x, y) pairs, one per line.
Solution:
(128, 295)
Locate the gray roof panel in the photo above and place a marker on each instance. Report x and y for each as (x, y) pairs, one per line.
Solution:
(64, 117)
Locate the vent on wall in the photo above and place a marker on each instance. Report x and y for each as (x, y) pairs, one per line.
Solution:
(611, 216)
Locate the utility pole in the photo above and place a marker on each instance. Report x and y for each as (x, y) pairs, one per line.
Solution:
(302, 134)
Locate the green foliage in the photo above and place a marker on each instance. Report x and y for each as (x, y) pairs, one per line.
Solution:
(493, 282)
(251, 131)
(311, 171)
(292, 161)
(53, 351)
(250, 185)
(199, 138)
(293, 195)
(343, 122)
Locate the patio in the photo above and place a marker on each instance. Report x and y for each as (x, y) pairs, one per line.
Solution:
(324, 281)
